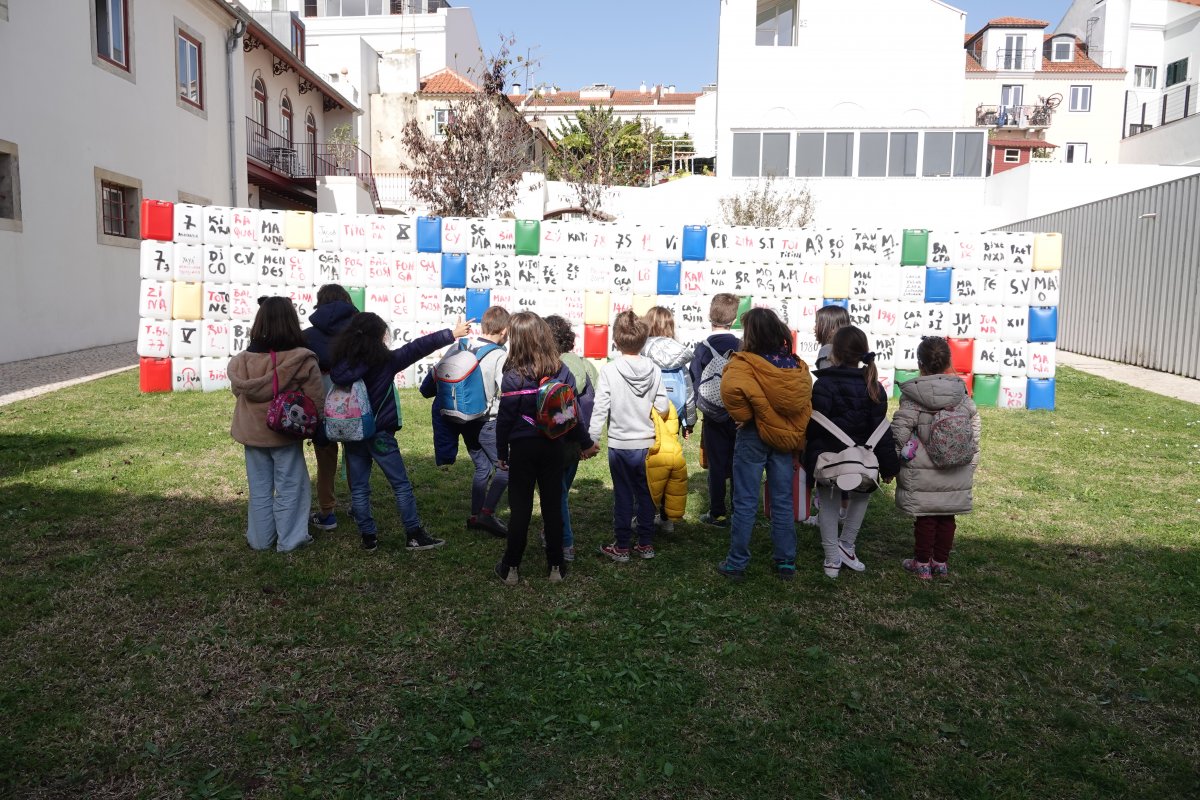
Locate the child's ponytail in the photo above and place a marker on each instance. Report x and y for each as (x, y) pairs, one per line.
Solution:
(850, 347)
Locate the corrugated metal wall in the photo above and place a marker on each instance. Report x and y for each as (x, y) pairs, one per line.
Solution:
(1131, 277)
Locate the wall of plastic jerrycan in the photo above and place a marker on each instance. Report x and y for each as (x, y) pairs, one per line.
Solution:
(187, 301)
(1040, 394)
(478, 301)
(914, 252)
(358, 296)
(987, 390)
(528, 237)
(962, 355)
(938, 283)
(298, 230)
(669, 273)
(429, 234)
(695, 242)
(185, 375)
(1012, 391)
(595, 341)
(744, 305)
(154, 374)
(1047, 251)
(158, 220)
(454, 270)
(903, 375)
(1043, 324)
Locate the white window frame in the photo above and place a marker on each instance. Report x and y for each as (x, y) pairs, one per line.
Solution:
(1012, 155)
(1062, 40)
(441, 118)
(191, 41)
(10, 183)
(134, 202)
(777, 6)
(1014, 56)
(1074, 149)
(1080, 99)
(1141, 72)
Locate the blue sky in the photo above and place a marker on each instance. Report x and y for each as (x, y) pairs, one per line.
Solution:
(623, 42)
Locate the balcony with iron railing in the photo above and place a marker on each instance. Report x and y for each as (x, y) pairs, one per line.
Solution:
(1000, 116)
(1020, 60)
(305, 161)
(1175, 103)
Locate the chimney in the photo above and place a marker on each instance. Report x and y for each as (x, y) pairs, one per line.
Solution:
(671, 89)
(516, 88)
(642, 88)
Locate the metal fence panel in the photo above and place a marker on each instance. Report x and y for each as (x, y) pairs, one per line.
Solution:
(1131, 276)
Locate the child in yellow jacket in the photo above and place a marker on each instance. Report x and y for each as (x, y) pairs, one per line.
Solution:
(666, 470)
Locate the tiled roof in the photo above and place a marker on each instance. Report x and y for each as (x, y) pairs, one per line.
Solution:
(620, 97)
(447, 81)
(1020, 144)
(1080, 62)
(1016, 22)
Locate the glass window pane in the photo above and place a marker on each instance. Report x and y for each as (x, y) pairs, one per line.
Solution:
(785, 23)
(775, 148)
(117, 20)
(745, 154)
(902, 162)
(872, 155)
(968, 155)
(839, 155)
(939, 150)
(810, 155)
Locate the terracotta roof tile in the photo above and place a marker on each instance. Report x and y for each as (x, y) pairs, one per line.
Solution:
(619, 97)
(447, 81)
(1081, 61)
(1016, 22)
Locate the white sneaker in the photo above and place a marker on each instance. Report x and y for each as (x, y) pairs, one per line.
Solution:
(832, 570)
(850, 559)
(666, 525)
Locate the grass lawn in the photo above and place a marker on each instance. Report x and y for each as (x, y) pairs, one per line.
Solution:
(146, 652)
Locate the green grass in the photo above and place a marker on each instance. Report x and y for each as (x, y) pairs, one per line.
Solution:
(145, 652)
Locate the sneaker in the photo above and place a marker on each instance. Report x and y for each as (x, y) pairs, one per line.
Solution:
(569, 553)
(832, 570)
(618, 554)
(489, 523)
(666, 525)
(850, 559)
(785, 570)
(720, 521)
(419, 539)
(557, 574)
(507, 575)
(940, 569)
(325, 522)
(731, 573)
(644, 550)
(918, 568)
(370, 542)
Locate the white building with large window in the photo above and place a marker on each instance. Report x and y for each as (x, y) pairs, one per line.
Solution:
(865, 107)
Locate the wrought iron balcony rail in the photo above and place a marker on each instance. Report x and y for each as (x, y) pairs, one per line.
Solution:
(308, 160)
(1017, 59)
(1175, 103)
(1034, 116)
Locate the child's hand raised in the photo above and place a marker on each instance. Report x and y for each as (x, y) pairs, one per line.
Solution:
(462, 327)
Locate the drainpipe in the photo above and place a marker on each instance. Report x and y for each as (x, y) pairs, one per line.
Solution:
(231, 43)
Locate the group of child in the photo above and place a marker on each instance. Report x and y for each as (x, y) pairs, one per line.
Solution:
(756, 395)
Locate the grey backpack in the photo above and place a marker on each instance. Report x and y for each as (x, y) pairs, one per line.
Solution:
(855, 469)
(708, 392)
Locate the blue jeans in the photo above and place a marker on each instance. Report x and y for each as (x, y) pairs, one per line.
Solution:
(751, 456)
(630, 492)
(383, 451)
(489, 483)
(280, 494)
(571, 467)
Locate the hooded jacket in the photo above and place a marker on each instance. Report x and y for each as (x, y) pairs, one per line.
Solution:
(381, 379)
(923, 489)
(327, 321)
(670, 355)
(778, 402)
(250, 378)
(629, 386)
(511, 422)
(840, 393)
(666, 468)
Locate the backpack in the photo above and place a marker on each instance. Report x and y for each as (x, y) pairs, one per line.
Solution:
(291, 413)
(854, 469)
(348, 414)
(460, 382)
(676, 385)
(557, 408)
(951, 439)
(708, 393)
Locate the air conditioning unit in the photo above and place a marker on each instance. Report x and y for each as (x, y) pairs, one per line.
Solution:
(1135, 129)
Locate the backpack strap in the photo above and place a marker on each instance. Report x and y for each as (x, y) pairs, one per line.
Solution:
(826, 423)
(883, 428)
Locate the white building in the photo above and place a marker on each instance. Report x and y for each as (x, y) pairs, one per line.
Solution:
(1025, 84)
(658, 106)
(1157, 42)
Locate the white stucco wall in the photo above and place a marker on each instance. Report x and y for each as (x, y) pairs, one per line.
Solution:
(63, 290)
(1174, 143)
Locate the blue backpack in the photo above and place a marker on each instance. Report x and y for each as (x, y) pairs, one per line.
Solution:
(459, 380)
(675, 383)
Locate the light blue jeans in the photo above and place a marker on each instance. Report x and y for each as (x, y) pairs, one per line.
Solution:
(280, 494)
(382, 450)
(751, 457)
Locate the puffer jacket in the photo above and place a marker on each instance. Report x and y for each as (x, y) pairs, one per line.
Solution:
(327, 322)
(250, 378)
(666, 468)
(777, 401)
(840, 393)
(923, 489)
(672, 356)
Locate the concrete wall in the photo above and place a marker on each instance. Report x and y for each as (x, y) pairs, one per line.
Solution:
(64, 289)
(1174, 143)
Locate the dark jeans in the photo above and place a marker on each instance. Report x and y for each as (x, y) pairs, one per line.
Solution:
(487, 487)
(631, 492)
(535, 463)
(717, 439)
(934, 535)
(383, 451)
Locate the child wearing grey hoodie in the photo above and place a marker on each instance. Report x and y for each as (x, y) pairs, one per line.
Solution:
(628, 387)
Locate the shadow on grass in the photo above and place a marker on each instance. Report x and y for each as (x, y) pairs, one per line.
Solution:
(22, 453)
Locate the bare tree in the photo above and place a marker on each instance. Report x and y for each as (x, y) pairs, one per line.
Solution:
(769, 206)
(473, 167)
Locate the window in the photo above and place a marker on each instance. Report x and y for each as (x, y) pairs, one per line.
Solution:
(839, 155)
(776, 23)
(902, 155)
(112, 31)
(1145, 77)
(1177, 72)
(775, 147)
(1077, 152)
(746, 153)
(1012, 156)
(310, 132)
(1014, 56)
(189, 66)
(10, 188)
(353, 8)
(939, 155)
(118, 198)
(285, 119)
(872, 155)
(1062, 50)
(968, 155)
(298, 38)
(310, 8)
(1011, 95)
(441, 118)
(810, 155)
(260, 105)
(1081, 98)
(4, 10)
